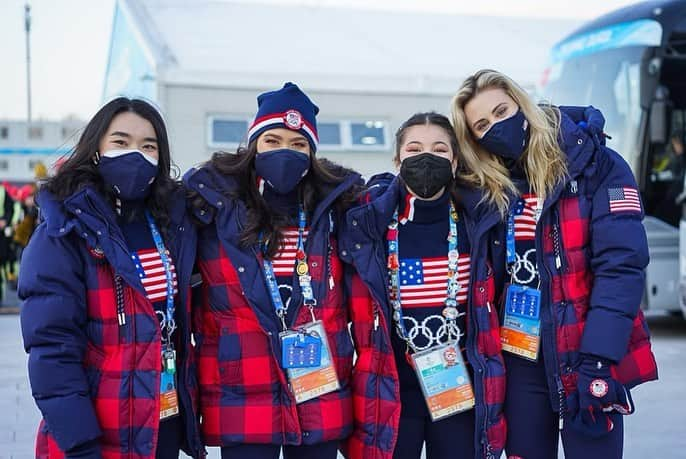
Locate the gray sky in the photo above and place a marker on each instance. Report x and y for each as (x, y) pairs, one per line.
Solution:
(69, 43)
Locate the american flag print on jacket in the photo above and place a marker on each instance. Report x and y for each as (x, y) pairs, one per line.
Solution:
(376, 386)
(244, 393)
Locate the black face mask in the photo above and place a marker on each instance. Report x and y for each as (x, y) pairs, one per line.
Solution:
(425, 174)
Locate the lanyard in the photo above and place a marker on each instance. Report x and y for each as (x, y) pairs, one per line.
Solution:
(510, 243)
(302, 269)
(169, 323)
(453, 286)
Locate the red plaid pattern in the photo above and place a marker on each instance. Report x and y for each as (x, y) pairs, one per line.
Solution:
(571, 292)
(122, 369)
(244, 393)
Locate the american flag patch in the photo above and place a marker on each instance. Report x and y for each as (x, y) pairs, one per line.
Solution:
(624, 199)
(525, 222)
(284, 261)
(151, 272)
(424, 282)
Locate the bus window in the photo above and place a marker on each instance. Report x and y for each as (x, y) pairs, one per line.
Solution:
(667, 171)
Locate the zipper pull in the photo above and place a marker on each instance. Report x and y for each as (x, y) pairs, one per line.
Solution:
(561, 399)
(558, 262)
(488, 305)
(331, 282)
(376, 320)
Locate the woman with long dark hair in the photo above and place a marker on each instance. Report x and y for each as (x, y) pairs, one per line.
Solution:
(105, 286)
(429, 335)
(275, 354)
(570, 251)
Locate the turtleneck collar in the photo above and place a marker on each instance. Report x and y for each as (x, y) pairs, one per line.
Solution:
(286, 204)
(128, 211)
(413, 209)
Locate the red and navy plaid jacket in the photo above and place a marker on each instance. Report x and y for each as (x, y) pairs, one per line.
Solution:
(592, 254)
(375, 378)
(244, 392)
(95, 382)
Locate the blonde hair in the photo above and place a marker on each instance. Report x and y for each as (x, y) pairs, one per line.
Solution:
(544, 162)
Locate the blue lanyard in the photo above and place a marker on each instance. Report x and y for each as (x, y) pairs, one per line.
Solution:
(510, 240)
(453, 287)
(302, 269)
(166, 262)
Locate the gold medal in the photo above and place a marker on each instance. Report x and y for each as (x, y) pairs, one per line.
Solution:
(301, 269)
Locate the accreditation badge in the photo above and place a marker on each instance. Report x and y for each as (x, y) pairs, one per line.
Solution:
(520, 333)
(311, 382)
(169, 400)
(444, 380)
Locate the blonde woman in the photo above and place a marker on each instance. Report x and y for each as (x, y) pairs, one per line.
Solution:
(569, 257)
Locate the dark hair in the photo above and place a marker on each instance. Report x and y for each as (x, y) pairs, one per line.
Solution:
(80, 171)
(425, 119)
(428, 119)
(322, 178)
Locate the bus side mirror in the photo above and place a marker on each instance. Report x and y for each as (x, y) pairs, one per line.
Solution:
(658, 122)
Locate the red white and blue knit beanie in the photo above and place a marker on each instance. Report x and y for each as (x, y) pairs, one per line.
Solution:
(289, 108)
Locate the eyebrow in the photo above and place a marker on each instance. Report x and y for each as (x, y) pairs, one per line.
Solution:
(124, 134)
(278, 137)
(495, 109)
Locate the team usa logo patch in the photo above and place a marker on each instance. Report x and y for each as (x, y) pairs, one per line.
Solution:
(599, 388)
(293, 119)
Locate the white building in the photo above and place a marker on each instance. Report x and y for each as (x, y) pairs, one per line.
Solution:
(23, 145)
(204, 63)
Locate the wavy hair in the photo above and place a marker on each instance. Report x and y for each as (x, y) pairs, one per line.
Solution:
(543, 160)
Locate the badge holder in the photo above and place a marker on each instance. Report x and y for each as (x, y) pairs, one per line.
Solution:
(169, 400)
(306, 357)
(444, 380)
(520, 333)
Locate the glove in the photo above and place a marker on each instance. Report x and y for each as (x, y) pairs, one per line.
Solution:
(598, 398)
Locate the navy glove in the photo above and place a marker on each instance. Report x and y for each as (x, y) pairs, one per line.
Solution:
(598, 399)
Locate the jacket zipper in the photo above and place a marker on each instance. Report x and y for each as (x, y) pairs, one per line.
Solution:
(558, 381)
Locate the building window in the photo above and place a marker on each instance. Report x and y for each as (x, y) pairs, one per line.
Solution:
(4, 165)
(368, 134)
(35, 132)
(4, 132)
(329, 134)
(227, 132)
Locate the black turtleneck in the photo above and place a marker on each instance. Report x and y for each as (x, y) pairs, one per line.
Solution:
(423, 253)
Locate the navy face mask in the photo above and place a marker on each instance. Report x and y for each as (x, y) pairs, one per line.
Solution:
(282, 169)
(129, 173)
(507, 138)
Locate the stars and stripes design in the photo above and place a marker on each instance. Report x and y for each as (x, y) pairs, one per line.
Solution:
(526, 218)
(284, 261)
(423, 282)
(151, 272)
(624, 199)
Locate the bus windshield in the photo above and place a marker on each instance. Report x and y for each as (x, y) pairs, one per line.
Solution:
(610, 81)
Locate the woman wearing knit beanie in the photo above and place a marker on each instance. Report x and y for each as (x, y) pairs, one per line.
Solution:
(273, 347)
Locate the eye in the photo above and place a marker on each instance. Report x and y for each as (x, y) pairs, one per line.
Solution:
(300, 145)
(480, 127)
(150, 147)
(119, 142)
(501, 111)
(270, 141)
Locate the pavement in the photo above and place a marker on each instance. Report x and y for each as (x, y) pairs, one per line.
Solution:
(656, 430)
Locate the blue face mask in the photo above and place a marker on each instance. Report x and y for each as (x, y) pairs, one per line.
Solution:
(282, 169)
(507, 138)
(129, 173)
